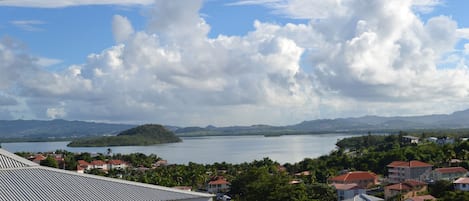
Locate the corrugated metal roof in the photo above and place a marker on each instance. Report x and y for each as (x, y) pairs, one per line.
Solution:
(28, 181)
(10, 160)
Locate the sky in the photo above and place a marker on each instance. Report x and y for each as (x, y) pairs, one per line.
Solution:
(236, 62)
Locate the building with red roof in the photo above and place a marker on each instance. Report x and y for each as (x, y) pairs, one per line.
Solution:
(361, 178)
(38, 158)
(218, 184)
(400, 171)
(406, 189)
(449, 173)
(117, 164)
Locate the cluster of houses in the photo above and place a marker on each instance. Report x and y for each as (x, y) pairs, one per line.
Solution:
(407, 179)
(83, 166)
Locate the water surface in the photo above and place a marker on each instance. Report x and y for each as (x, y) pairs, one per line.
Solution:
(231, 149)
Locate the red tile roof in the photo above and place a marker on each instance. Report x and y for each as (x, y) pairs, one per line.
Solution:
(462, 180)
(218, 180)
(406, 185)
(451, 170)
(39, 157)
(98, 162)
(409, 164)
(83, 163)
(116, 162)
(355, 176)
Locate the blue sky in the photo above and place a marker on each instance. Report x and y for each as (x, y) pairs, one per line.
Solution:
(232, 62)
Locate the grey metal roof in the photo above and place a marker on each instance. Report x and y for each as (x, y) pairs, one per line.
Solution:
(22, 180)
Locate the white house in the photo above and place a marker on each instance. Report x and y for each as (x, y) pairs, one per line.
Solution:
(400, 171)
(348, 191)
(462, 184)
(218, 185)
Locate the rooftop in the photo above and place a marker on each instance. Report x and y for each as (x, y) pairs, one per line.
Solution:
(462, 180)
(451, 170)
(409, 164)
(406, 185)
(354, 176)
(346, 186)
(22, 178)
(421, 198)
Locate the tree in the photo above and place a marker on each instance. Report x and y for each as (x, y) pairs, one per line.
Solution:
(49, 162)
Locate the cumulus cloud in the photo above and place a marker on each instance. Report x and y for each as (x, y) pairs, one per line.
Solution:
(60, 3)
(361, 57)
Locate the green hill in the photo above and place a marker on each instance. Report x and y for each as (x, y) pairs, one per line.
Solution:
(148, 134)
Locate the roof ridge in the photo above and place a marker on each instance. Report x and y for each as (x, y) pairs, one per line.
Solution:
(11, 160)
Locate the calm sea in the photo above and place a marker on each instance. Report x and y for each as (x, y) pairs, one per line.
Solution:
(231, 149)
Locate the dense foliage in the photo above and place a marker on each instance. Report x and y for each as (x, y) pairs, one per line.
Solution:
(142, 135)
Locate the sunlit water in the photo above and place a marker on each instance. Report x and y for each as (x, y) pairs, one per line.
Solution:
(231, 149)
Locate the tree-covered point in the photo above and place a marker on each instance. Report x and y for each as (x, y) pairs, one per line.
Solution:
(148, 134)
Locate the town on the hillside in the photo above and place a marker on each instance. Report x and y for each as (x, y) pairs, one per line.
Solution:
(408, 180)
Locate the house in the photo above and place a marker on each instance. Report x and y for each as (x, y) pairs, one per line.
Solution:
(38, 158)
(26, 180)
(410, 139)
(218, 185)
(462, 184)
(304, 173)
(82, 166)
(160, 163)
(406, 189)
(347, 191)
(365, 197)
(444, 140)
(117, 164)
(432, 139)
(421, 198)
(361, 178)
(450, 173)
(99, 164)
(400, 171)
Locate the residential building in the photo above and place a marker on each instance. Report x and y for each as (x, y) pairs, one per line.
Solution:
(406, 189)
(365, 197)
(421, 198)
(361, 178)
(99, 164)
(347, 191)
(445, 140)
(410, 139)
(400, 171)
(38, 158)
(82, 166)
(450, 173)
(117, 164)
(462, 184)
(45, 183)
(218, 185)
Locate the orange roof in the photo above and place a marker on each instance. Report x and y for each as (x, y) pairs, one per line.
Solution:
(355, 176)
(406, 185)
(219, 181)
(98, 162)
(82, 163)
(116, 162)
(462, 180)
(409, 164)
(451, 170)
(39, 157)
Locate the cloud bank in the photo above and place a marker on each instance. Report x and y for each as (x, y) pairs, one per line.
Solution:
(352, 58)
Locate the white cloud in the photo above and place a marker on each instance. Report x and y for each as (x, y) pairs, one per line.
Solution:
(61, 3)
(45, 62)
(367, 57)
(28, 25)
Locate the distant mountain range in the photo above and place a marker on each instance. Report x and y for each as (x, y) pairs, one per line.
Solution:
(72, 129)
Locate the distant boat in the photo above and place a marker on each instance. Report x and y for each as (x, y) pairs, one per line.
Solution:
(273, 135)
